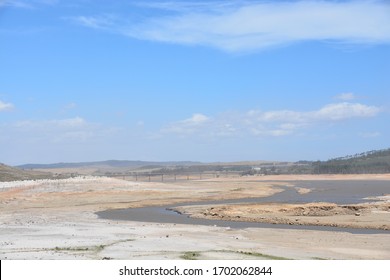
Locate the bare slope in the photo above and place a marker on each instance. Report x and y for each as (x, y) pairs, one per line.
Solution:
(8, 173)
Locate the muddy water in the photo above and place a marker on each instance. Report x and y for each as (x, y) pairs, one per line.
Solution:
(340, 192)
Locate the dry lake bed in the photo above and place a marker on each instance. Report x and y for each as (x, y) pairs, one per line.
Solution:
(255, 217)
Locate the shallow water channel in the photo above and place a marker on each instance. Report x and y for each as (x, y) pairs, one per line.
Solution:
(340, 192)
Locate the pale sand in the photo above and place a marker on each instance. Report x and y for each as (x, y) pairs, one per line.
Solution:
(57, 220)
(364, 215)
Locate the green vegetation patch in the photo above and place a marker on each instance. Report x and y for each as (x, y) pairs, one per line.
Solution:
(190, 256)
(96, 249)
(73, 249)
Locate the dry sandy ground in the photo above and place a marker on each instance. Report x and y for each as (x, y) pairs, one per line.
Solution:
(367, 215)
(55, 219)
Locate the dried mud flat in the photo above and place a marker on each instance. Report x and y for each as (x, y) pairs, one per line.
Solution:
(364, 216)
(55, 219)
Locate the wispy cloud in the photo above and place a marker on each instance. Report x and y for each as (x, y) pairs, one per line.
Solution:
(70, 123)
(269, 123)
(26, 4)
(345, 110)
(52, 139)
(69, 106)
(188, 126)
(239, 26)
(14, 3)
(187, 6)
(48, 2)
(347, 96)
(246, 26)
(107, 22)
(5, 106)
(370, 134)
(56, 130)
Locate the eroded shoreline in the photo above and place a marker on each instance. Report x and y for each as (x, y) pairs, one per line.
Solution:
(292, 205)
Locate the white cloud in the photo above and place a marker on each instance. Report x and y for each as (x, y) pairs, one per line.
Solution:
(347, 96)
(14, 3)
(96, 22)
(187, 126)
(58, 130)
(333, 112)
(273, 116)
(269, 123)
(196, 119)
(67, 139)
(70, 106)
(76, 122)
(26, 4)
(48, 2)
(5, 106)
(187, 6)
(247, 26)
(342, 111)
(370, 134)
(270, 132)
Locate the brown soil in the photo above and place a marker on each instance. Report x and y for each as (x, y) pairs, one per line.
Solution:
(368, 215)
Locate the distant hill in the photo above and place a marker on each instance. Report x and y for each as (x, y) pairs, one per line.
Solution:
(107, 163)
(371, 162)
(8, 173)
(121, 167)
(377, 161)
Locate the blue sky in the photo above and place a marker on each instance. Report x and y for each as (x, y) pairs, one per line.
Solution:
(192, 80)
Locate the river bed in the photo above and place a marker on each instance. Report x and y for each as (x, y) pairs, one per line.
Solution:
(339, 192)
